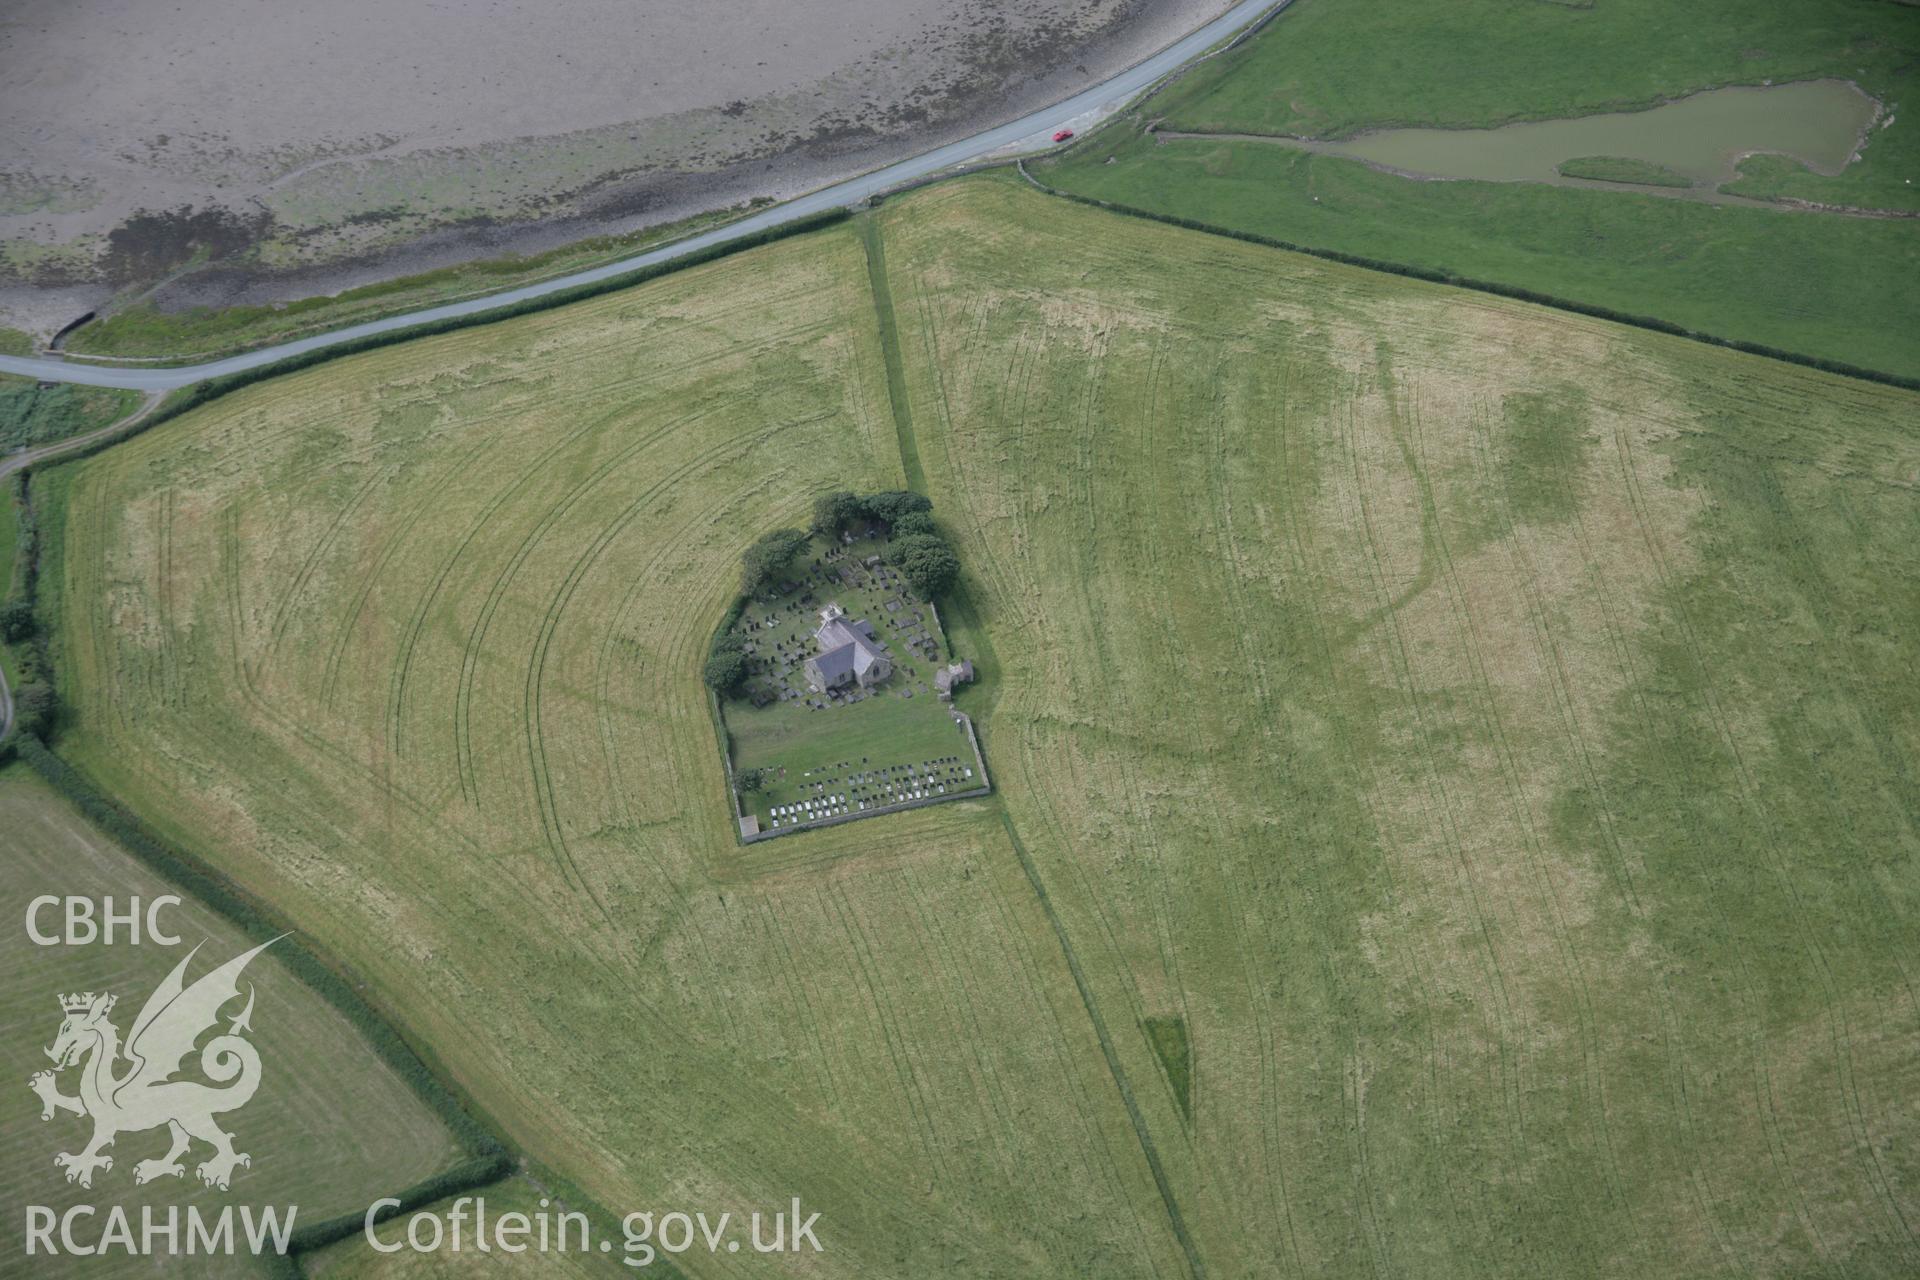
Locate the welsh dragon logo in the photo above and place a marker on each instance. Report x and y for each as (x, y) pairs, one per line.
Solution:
(144, 1095)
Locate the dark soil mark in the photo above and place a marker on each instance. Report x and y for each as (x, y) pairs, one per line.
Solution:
(149, 245)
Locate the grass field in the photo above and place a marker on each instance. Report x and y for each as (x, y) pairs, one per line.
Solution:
(1492, 731)
(1818, 284)
(1825, 285)
(1455, 759)
(331, 1129)
(1330, 68)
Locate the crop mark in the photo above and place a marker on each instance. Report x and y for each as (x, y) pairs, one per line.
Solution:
(1440, 803)
(1770, 1119)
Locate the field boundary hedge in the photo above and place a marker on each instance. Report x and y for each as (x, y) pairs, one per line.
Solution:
(1651, 323)
(488, 1160)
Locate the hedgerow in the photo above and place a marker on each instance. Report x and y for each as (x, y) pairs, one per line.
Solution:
(1652, 323)
(488, 1159)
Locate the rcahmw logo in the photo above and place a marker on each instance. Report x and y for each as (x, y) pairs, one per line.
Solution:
(130, 1087)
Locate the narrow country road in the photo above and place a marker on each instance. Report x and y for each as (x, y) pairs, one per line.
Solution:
(1031, 132)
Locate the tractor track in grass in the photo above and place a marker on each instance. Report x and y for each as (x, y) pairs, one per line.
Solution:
(1232, 557)
(1619, 867)
(548, 521)
(1764, 1095)
(1813, 583)
(1114, 1067)
(1086, 1107)
(548, 801)
(892, 1035)
(330, 675)
(982, 1076)
(1473, 647)
(1322, 631)
(539, 465)
(1560, 691)
(1440, 803)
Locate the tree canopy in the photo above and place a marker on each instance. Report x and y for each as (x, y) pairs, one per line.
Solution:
(912, 523)
(890, 506)
(834, 511)
(761, 563)
(726, 668)
(928, 563)
(34, 707)
(16, 621)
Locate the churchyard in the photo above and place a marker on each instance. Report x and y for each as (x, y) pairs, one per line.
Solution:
(818, 754)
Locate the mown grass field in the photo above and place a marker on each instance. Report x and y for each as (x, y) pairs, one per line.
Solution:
(1492, 731)
(331, 1128)
(410, 644)
(1455, 759)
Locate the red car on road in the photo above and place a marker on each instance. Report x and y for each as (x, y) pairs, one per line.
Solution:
(1062, 135)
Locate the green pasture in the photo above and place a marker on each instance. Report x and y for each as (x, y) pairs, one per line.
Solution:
(1827, 285)
(1331, 68)
(1822, 285)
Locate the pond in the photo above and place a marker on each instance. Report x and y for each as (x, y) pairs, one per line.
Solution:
(1702, 138)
